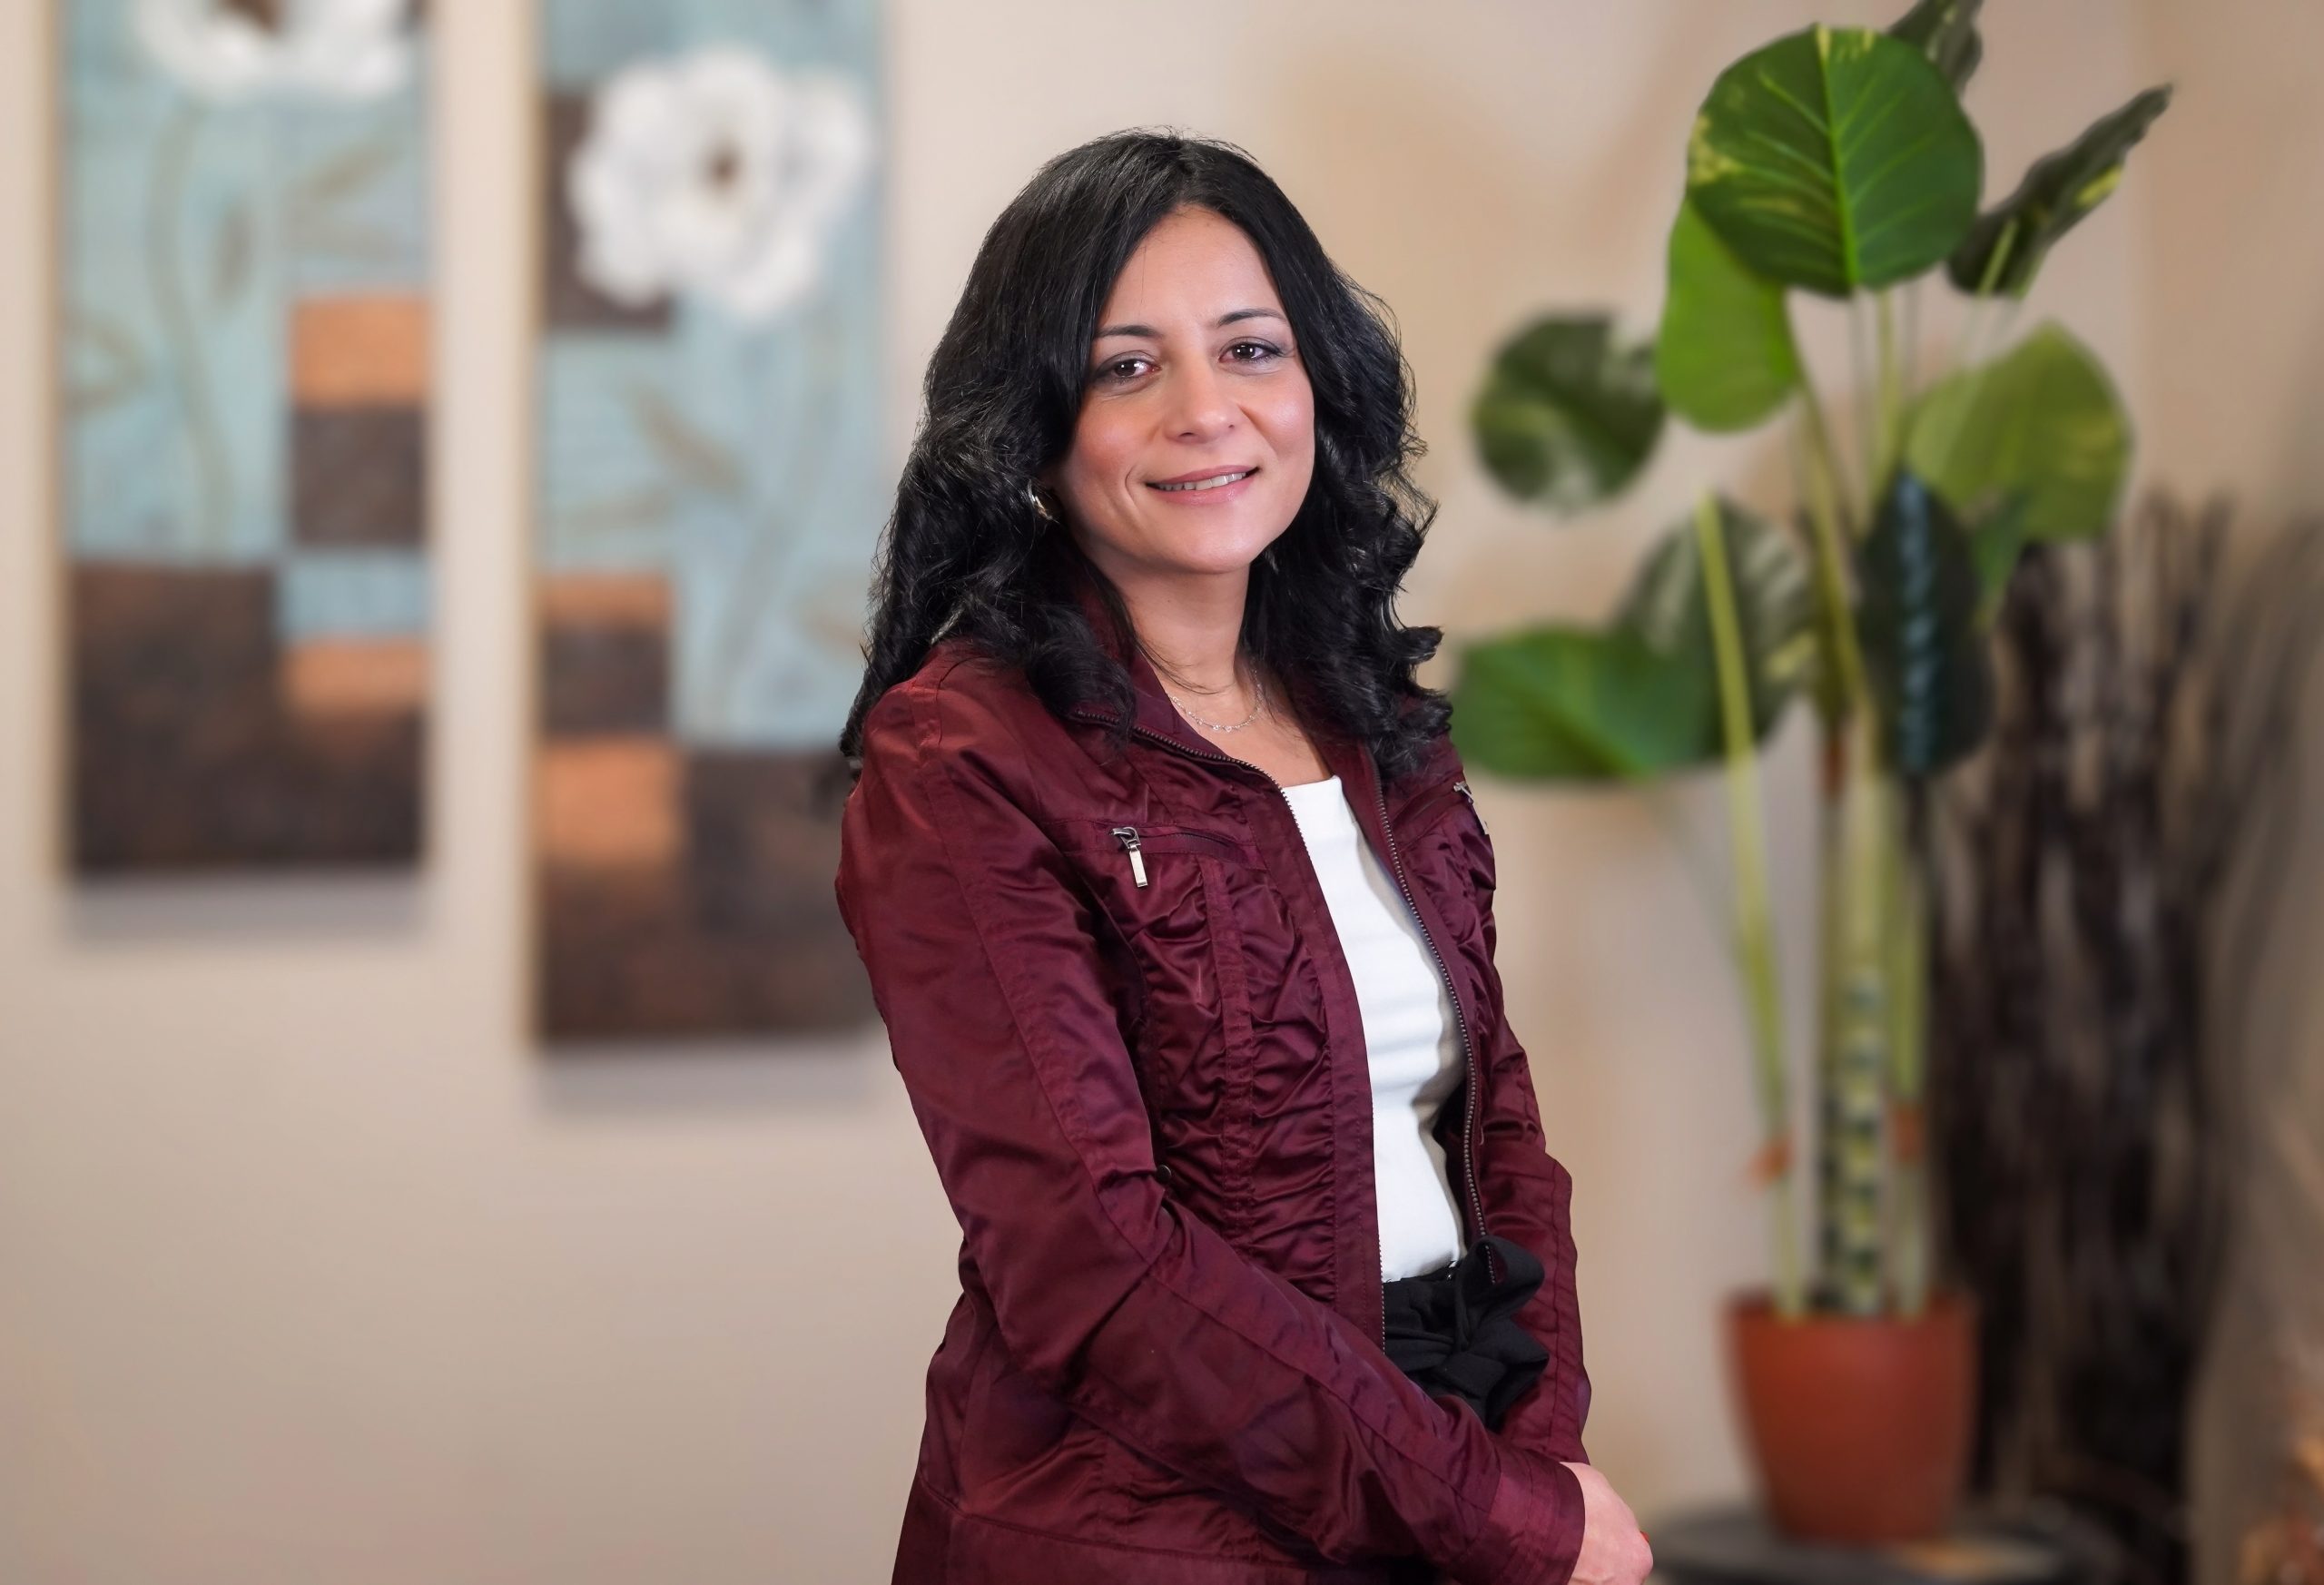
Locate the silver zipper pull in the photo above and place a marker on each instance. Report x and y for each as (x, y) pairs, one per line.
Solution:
(1479, 813)
(1129, 836)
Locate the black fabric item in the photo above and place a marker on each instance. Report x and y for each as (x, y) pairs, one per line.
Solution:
(1455, 1330)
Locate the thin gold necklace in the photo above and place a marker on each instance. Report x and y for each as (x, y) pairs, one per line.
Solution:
(1258, 700)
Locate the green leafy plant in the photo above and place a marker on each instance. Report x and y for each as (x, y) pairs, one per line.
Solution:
(1835, 163)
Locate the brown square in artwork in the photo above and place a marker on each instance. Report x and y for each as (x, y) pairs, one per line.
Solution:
(604, 653)
(738, 933)
(359, 476)
(198, 744)
(568, 302)
(762, 845)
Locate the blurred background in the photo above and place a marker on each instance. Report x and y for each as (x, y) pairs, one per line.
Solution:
(442, 1132)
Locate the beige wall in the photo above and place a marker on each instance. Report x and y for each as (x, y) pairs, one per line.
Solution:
(311, 1269)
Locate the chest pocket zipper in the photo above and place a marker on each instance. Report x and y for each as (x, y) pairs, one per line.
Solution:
(1130, 841)
(1135, 844)
(1479, 813)
(1425, 812)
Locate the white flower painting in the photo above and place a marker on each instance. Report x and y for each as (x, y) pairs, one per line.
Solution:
(708, 489)
(716, 175)
(232, 49)
(244, 273)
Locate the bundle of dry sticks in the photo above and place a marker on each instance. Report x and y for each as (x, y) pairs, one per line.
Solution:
(2103, 877)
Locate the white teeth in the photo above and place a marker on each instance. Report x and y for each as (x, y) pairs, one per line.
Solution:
(1207, 484)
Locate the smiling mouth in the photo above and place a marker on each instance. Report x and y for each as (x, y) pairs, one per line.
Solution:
(1212, 483)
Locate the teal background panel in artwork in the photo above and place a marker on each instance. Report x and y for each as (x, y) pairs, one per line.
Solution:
(761, 581)
(173, 335)
(586, 41)
(604, 497)
(355, 198)
(352, 594)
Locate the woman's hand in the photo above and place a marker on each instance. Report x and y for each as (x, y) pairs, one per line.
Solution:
(1613, 1549)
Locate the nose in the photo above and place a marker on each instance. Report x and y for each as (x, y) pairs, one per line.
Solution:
(1200, 404)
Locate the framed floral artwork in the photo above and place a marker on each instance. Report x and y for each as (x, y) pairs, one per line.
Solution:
(244, 432)
(709, 488)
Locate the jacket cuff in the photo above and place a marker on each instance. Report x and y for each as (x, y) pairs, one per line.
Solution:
(1533, 1533)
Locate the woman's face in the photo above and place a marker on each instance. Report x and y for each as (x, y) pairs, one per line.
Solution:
(1193, 374)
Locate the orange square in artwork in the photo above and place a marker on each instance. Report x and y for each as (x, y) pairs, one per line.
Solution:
(609, 802)
(606, 600)
(345, 676)
(360, 351)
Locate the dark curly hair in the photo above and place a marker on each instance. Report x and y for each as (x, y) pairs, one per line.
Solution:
(965, 549)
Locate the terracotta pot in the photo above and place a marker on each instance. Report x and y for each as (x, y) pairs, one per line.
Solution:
(1860, 1427)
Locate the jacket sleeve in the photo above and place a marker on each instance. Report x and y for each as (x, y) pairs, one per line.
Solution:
(1529, 1196)
(1139, 1315)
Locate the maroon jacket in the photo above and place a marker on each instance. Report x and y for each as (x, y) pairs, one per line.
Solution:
(1125, 1024)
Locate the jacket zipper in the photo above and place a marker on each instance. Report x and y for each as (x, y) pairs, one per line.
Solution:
(1136, 844)
(1470, 1144)
(1468, 1121)
(1423, 810)
(1479, 813)
(1127, 835)
(1468, 1052)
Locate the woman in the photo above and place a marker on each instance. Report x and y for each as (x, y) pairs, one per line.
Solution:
(1179, 916)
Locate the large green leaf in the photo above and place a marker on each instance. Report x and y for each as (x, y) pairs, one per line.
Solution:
(1945, 31)
(2057, 193)
(1640, 697)
(1566, 417)
(1668, 608)
(1996, 539)
(2041, 420)
(1573, 704)
(1724, 356)
(1834, 159)
(1925, 653)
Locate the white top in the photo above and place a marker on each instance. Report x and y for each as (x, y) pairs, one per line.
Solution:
(1409, 1033)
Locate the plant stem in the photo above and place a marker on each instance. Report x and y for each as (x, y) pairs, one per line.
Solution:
(1968, 355)
(1908, 1036)
(1866, 404)
(1889, 438)
(1754, 926)
(1831, 781)
(1912, 331)
(1835, 621)
(1837, 611)
(1858, 1105)
(2007, 318)
(1983, 297)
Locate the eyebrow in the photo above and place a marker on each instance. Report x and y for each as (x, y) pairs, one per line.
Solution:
(1224, 321)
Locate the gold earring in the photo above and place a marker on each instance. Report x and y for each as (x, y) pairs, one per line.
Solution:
(1033, 493)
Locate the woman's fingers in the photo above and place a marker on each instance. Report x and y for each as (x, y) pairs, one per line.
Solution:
(1614, 1550)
